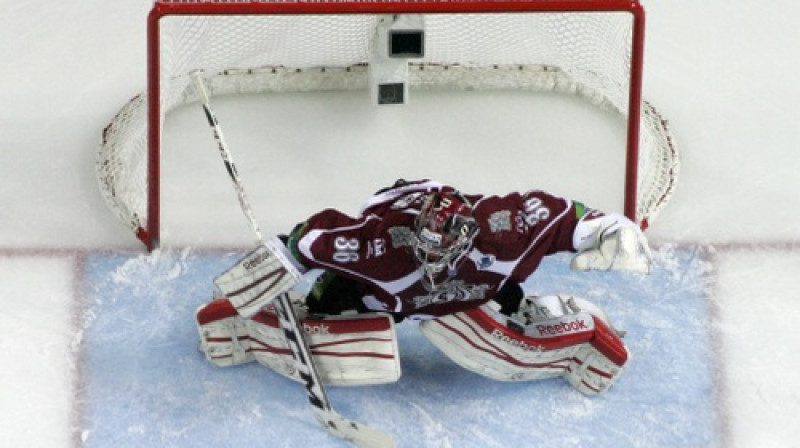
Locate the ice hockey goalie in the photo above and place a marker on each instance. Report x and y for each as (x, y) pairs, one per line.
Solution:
(423, 250)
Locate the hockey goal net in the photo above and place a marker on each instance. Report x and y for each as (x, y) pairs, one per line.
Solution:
(589, 48)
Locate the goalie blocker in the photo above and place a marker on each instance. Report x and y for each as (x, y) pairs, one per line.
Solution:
(255, 280)
(550, 336)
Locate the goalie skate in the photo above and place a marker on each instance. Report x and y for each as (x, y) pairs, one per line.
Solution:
(349, 350)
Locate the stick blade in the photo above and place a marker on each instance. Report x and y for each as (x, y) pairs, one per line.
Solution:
(359, 435)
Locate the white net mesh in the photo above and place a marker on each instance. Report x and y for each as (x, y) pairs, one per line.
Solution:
(587, 54)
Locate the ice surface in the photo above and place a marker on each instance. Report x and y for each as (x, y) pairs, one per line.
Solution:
(145, 384)
(722, 72)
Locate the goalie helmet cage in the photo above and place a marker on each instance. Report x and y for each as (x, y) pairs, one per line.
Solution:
(589, 48)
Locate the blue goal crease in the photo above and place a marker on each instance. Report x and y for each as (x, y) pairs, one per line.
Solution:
(146, 384)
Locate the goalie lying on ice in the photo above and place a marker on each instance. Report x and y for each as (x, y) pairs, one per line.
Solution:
(422, 250)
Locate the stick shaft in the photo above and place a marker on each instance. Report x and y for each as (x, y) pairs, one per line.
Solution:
(227, 158)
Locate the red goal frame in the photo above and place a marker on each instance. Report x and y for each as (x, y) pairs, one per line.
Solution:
(150, 235)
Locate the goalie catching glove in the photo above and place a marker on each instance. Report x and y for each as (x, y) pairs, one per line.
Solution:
(255, 280)
(610, 242)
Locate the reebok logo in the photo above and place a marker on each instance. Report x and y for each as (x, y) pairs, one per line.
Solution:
(562, 328)
(255, 261)
(497, 334)
(316, 329)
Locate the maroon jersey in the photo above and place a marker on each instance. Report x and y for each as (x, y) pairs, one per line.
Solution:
(516, 232)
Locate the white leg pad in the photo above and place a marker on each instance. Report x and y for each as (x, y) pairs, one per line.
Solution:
(355, 350)
(574, 344)
(224, 337)
(594, 368)
(349, 350)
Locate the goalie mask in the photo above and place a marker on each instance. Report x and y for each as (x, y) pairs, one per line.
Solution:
(445, 229)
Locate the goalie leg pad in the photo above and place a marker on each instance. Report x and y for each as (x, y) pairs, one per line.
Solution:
(491, 344)
(224, 337)
(349, 350)
(595, 367)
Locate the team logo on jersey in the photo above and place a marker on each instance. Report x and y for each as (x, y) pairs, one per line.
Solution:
(500, 221)
(406, 201)
(485, 261)
(401, 236)
(449, 291)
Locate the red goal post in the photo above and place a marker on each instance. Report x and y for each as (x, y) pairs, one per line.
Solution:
(590, 48)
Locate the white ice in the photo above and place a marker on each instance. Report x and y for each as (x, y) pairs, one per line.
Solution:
(724, 73)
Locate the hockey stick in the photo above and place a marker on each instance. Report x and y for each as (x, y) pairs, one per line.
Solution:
(360, 435)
